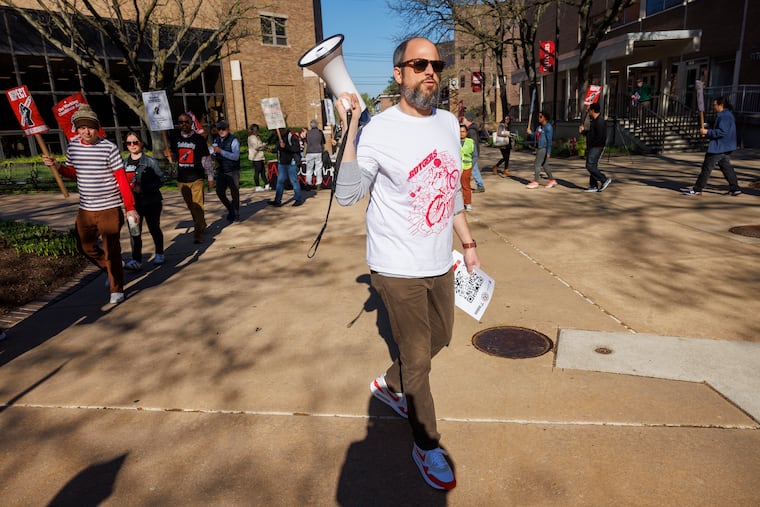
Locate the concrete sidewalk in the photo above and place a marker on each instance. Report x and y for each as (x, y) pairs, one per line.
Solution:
(237, 373)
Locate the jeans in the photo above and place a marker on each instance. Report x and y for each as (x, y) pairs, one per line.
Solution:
(229, 180)
(476, 174)
(541, 163)
(259, 173)
(106, 225)
(724, 162)
(151, 213)
(285, 172)
(596, 177)
(421, 312)
(314, 166)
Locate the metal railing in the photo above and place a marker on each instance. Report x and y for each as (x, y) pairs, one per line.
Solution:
(743, 98)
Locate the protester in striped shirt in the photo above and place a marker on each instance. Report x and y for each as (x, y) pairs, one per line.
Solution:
(97, 166)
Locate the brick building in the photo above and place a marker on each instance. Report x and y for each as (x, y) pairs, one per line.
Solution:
(266, 66)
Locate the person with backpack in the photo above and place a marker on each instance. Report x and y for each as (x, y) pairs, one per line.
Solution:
(288, 161)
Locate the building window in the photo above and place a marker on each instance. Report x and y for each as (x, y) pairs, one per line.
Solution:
(273, 31)
(660, 5)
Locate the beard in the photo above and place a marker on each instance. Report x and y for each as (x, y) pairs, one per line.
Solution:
(419, 98)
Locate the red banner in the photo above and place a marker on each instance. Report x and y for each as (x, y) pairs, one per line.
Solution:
(477, 81)
(26, 112)
(592, 94)
(65, 109)
(546, 56)
(197, 127)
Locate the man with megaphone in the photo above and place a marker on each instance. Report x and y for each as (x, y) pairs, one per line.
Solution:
(409, 158)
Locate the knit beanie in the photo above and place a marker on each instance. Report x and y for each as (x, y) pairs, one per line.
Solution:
(85, 117)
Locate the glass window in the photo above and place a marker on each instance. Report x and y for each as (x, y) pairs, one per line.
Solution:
(660, 5)
(273, 31)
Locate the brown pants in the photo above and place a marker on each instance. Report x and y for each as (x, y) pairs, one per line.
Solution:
(193, 195)
(421, 311)
(90, 226)
(466, 188)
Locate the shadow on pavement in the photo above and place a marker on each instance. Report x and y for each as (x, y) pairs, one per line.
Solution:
(379, 470)
(90, 487)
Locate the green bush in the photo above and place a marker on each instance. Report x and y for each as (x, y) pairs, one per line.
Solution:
(37, 239)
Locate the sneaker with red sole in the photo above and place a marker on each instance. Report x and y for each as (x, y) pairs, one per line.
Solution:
(532, 184)
(552, 183)
(381, 391)
(434, 468)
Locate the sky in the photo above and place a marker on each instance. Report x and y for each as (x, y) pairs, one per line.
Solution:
(368, 45)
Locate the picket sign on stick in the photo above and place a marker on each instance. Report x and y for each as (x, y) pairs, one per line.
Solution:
(700, 88)
(32, 124)
(532, 104)
(593, 92)
(273, 115)
(159, 114)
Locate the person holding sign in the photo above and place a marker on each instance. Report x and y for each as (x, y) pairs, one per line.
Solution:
(189, 149)
(102, 181)
(722, 142)
(409, 160)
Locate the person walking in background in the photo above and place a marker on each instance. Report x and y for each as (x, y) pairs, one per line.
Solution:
(102, 182)
(544, 135)
(474, 134)
(467, 150)
(596, 140)
(409, 160)
(288, 161)
(256, 149)
(722, 143)
(315, 145)
(189, 149)
(502, 132)
(226, 152)
(145, 178)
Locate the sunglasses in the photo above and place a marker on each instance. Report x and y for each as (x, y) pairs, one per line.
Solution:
(421, 64)
(180, 122)
(132, 143)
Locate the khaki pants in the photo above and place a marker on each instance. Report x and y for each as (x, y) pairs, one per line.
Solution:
(421, 311)
(106, 224)
(192, 193)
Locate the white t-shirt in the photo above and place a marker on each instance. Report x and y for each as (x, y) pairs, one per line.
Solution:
(414, 167)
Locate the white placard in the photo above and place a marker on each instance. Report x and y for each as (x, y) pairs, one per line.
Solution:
(273, 113)
(329, 111)
(472, 291)
(700, 89)
(158, 111)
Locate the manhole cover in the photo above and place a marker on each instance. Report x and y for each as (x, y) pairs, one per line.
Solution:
(753, 231)
(512, 342)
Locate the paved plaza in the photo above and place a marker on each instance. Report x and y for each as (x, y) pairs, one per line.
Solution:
(237, 373)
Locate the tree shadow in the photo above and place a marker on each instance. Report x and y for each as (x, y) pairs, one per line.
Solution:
(90, 487)
(374, 303)
(379, 470)
(32, 387)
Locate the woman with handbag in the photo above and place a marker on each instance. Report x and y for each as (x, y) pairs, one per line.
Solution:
(504, 142)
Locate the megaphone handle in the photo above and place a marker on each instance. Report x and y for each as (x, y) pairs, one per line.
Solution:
(338, 159)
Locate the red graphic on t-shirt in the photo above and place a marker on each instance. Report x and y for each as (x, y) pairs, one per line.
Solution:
(186, 156)
(434, 183)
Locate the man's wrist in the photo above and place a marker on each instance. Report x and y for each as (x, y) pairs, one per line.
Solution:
(469, 245)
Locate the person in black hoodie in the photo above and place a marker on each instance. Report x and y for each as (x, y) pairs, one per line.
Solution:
(288, 161)
(596, 139)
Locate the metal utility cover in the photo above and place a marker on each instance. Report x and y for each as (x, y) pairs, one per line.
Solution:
(512, 342)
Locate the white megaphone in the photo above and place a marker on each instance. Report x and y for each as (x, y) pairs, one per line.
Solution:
(326, 60)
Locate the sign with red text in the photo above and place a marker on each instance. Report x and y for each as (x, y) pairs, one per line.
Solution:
(592, 94)
(65, 109)
(546, 56)
(26, 112)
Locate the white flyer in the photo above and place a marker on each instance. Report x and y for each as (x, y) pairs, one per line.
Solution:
(472, 291)
(273, 113)
(157, 110)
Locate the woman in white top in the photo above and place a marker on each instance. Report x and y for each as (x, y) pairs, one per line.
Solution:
(256, 149)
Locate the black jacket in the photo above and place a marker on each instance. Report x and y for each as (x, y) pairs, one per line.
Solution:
(596, 133)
